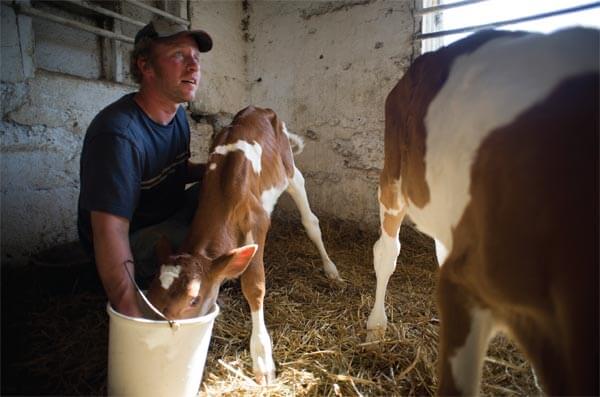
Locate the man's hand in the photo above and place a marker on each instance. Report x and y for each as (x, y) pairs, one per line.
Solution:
(112, 251)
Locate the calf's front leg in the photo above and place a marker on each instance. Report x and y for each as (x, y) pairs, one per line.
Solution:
(253, 287)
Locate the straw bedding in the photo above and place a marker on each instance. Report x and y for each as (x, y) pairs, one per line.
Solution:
(317, 328)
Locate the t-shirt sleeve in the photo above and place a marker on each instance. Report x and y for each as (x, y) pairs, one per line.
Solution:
(110, 176)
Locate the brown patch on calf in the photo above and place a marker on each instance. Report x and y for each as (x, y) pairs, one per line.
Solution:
(391, 223)
(527, 244)
(390, 199)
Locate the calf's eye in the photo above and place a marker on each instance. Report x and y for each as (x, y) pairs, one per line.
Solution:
(194, 301)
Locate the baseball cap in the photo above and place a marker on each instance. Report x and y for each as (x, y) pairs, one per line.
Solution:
(162, 28)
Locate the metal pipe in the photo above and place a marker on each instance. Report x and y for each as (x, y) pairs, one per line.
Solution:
(109, 13)
(445, 7)
(423, 36)
(74, 24)
(159, 12)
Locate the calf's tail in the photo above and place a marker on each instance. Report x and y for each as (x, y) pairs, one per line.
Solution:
(296, 142)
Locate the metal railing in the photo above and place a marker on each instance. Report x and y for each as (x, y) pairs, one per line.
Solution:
(423, 36)
(25, 9)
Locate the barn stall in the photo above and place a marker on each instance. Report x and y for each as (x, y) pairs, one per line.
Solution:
(325, 67)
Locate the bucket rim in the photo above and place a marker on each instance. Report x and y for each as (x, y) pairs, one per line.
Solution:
(210, 316)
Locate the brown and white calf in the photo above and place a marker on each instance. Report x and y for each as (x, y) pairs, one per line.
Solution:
(251, 164)
(491, 147)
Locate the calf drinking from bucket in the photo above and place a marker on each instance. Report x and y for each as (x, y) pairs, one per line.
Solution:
(251, 164)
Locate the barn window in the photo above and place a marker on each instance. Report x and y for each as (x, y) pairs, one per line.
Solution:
(95, 36)
(445, 21)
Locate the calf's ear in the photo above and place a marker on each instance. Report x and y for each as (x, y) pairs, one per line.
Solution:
(233, 263)
(163, 249)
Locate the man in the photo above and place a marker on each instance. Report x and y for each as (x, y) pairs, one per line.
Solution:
(135, 162)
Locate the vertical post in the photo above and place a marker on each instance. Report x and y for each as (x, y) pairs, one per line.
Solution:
(112, 54)
(25, 32)
(117, 49)
(177, 8)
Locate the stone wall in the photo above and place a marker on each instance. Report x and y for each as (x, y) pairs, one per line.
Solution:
(42, 132)
(325, 67)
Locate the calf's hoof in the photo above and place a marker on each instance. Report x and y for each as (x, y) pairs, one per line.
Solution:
(332, 272)
(374, 335)
(264, 378)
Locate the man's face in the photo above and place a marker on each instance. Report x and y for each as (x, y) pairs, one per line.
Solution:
(175, 68)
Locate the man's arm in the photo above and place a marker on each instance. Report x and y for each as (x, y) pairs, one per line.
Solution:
(195, 172)
(111, 248)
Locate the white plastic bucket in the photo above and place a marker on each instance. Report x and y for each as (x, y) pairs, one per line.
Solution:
(149, 358)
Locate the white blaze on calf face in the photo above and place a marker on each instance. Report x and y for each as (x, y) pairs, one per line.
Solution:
(194, 288)
(253, 152)
(478, 97)
(168, 274)
(212, 166)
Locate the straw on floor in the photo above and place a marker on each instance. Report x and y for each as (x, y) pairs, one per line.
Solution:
(317, 327)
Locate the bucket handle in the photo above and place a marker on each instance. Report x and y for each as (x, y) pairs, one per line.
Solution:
(172, 323)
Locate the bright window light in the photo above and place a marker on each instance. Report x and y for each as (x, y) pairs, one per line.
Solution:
(500, 10)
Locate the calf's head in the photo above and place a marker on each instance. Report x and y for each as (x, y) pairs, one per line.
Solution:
(187, 285)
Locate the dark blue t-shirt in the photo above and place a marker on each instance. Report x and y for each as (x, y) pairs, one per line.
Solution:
(132, 167)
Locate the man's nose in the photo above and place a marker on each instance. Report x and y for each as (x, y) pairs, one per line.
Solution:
(193, 63)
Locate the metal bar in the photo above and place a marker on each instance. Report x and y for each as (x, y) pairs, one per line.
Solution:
(26, 10)
(423, 36)
(109, 13)
(112, 55)
(444, 7)
(26, 42)
(159, 12)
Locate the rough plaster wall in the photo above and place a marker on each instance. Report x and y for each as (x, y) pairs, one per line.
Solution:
(44, 118)
(223, 85)
(41, 134)
(55, 44)
(203, 127)
(326, 68)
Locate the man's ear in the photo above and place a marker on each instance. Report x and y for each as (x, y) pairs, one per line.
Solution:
(234, 263)
(143, 64)
(163, 250)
